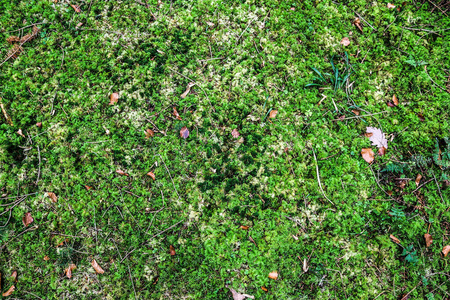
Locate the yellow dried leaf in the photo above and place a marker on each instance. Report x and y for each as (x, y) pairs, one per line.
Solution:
(96, 267)
(368, 155)
(428, 239)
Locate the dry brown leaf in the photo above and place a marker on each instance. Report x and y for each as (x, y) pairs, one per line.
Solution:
(390, 6)
(188, 89)
(14, 52)
(9, 292)
(395, 100)
(39, 124)
(244, 227)
(184, 132)
(273, 113)
(421, 117)
(446, 250)
(368, 155)
(239, 296)
(149, 133)
(78, 26)
(76, 8)
(13, 39)
(113, 98)
(428, 239)
(357, 23)
(172, 250)
(378, 138)
(252, 240)
(19, 132)
(175, 113)
(69, 270)
(345, 42)
(14, 276)
(120, 172)
(5, 114)
(88, 187)
(394, 239)
(368, 134)
(235, 133)
(152, 175)
(27, 219)
(418, 178)
(273, 275)
(381, 151)
(97, 267)
(264, 289)
(46, 258)
(52, 196)
(356, 112)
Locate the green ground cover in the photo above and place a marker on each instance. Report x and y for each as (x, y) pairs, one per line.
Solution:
(290, 194)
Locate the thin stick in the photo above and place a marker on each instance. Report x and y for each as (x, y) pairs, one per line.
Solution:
(39, 171)
(249, 23)
(420, 186)
(364, 20)
(439, 189)
(368, 115)
(378, 182)
(27, 27)
(192, 81)
(167, 169)
(425, 67)
(132, 282)
(437, 7)
(420, 29)
(318, 178)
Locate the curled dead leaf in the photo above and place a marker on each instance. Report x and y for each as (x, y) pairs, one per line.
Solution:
(188, 89)
(120, 172)
(53, 197)
(446, 250)
(395, 100)
(244, 227)
(235, 133)
(76, 8)
(113, 98)
(273, 113)
(5, 114)
(394, 239)
(345, 42)
(184, 132)
(418, 178)
(97, 267)
(368, 155)
(27, 219)
(381, 151)
(152, 175)
(273, 275)
(428, 239)
(175, 113)
(172, 250)
(357, 23)
(69, 270)
(19, 132)
(46, 258)
(9, 291)
(149, 133)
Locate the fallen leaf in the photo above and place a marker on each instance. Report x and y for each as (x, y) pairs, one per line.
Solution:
(184, 132)
(252, 240)
(172, 250)
(357, 23)
(88, 187)
(421, 117)
(69, 270)
(96, 267)
(394, 239)
(27, 219)
(46, 258)
(78, 26)
(292, 8)
(120, 172)
(13, 39)
(356, 112)
(378, 138)
(341, 118)
(390, 6)
(418, 178)
(390, 104)
(389, 193)
(345, 42)
(113, 98)
(273, 275)
(175, 113)
(264, 289)
(368, 134)
(395, 100)
(244, 227)
(238, 296)
(428, 239)
(9, 292)
(152, 175)
(76, 8)
(235, 133)
(5, 114)
(39, 124)
(368, 155)
(381, 151)
(14, 276)
(446, 250)
(19, 132)
(273, 113)
(149, 133)
(305, 265)
(53, 197)
(188, 89)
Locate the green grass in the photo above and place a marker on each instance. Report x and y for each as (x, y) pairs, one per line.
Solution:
(246, 59)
